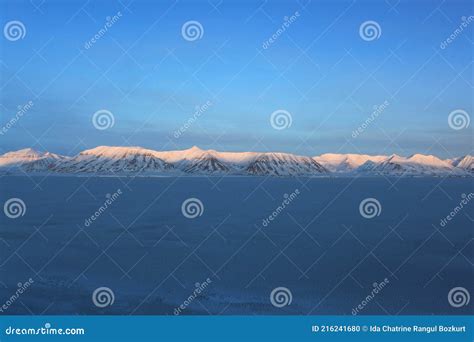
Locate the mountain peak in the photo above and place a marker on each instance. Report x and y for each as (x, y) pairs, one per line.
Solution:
(427, 160)
(419, 156)
(24, 153)
(393, 156)
(195, 149)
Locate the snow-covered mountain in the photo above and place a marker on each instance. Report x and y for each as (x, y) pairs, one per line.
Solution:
(345, 162)
(111, 160)
(207, 162)
(283, 164)
(416, 165)
(465, 163)
(29, 160)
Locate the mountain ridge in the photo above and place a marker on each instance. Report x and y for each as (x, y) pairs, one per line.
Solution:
(135, 159)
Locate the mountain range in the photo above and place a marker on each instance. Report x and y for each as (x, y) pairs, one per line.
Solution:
(116, 160)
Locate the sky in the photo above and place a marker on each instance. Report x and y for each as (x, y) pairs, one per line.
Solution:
(320, 72)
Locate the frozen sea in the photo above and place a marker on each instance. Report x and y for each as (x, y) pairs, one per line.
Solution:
(319, 246)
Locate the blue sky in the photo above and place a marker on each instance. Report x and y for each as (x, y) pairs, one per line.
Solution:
(319, 70)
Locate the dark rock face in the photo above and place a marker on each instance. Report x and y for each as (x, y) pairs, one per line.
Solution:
(283, 165)
(206, 164)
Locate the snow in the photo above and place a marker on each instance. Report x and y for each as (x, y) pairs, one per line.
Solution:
(136, 159)
(237, 158)
(465, 163)
(194, 161)
(345, 162)
(28, 156)
(282, 164)
(429, 160)
(417, 164)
